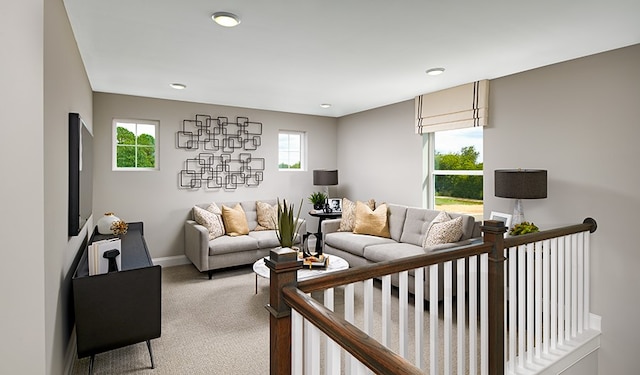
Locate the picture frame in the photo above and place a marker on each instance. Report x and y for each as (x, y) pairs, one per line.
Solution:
(499, 216)
(335, 204)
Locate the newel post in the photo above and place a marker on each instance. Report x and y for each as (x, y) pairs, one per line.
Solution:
(283, 265)
(494, 232)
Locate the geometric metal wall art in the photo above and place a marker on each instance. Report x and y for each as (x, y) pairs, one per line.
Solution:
(217, 167)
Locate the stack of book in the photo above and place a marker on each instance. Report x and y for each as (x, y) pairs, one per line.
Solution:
(98, 264)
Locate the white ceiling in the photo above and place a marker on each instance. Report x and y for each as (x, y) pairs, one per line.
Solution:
(293, 55)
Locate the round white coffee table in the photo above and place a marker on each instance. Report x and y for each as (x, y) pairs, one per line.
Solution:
(335, 264)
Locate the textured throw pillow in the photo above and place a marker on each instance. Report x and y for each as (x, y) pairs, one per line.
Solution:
(235, 221)
(209, 220)
(349, 214)
(443, 230)
(371, 222)
(267, 216)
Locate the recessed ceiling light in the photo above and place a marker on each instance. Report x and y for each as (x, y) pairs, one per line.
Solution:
(435, 71)
(226, 19)
(325, 105)
(178, 86)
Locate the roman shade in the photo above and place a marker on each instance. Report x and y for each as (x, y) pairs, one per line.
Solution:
(459, 107)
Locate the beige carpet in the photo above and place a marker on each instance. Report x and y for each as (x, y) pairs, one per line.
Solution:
(214, 326)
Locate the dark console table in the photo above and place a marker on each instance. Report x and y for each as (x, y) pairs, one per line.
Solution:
(321, 216)
(118, 308)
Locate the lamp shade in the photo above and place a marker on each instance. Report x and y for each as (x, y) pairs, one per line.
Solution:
(521, 183)
(323, 177)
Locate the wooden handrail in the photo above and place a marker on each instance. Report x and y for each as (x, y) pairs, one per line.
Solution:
(367, 350)
(363, 347)
(588, 224)
(371, 271)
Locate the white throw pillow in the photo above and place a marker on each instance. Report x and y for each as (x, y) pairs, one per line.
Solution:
(210, 220)
(443, 230)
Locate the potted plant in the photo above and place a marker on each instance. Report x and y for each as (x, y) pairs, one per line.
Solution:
(318, 200)
(287, 224)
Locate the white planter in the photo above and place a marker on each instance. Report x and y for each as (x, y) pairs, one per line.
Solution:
(104, 224)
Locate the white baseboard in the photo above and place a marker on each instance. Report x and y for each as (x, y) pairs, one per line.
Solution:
(177, 260)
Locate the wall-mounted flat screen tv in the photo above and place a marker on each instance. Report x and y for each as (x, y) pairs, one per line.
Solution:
(80, 174)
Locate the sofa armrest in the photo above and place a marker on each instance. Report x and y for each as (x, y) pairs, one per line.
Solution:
(330, 225)
(196, 244)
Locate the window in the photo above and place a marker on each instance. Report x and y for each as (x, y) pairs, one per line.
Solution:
(291, 150)
(456, 171)
(135, 145)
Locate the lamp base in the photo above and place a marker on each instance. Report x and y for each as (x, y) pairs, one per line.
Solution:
(518, 213)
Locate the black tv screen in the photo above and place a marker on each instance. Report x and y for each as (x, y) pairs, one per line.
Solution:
(80, 174)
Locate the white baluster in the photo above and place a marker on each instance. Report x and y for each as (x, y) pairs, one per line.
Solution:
(574, 286)
(419, 316)
(537, 254)
(554, 294)
(350, 362)
(587, 280)
(386, 310)
(473, 314)
(580, 260)
(332, 358)
(513, 306)
(461, 309)
(403, 318)
(434, 343)
(484, 313)
(530, 302)
(296, 342)
(522, 298)
(447, 316)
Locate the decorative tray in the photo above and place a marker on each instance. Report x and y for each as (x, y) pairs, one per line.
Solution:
(321, 261)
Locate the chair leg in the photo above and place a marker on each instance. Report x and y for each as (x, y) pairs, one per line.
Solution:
(210, 272)
(153, 365)
(93, 357)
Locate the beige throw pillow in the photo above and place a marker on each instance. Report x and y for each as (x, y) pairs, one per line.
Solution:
(349, 214)
(235, 221)
(443, 230)
(371, 222)
(267, 216)
(209, 220)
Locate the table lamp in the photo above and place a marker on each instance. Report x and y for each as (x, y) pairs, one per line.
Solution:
(520, 184)
(326, 178)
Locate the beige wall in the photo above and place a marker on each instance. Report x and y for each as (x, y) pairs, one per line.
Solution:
(579, 120)
(22, 269)
(66, 89)
(154, 197)
(380, 156)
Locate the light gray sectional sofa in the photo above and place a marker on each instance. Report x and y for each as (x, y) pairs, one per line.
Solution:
(227, 251)
(407, 227)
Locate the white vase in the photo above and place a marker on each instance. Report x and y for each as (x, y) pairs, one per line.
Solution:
(104, 224)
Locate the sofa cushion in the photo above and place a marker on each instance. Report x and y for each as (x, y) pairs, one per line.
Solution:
(349, 214)
(235, 221)
(391, 251)
(443, 230)
(397, 215)
(228, 244)
(371, 222)
(267, 216)
(266, 238)
(353, 243)
(468, 224)
(210, 220)
(416, 223)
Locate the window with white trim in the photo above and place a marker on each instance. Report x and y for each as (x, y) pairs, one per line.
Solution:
(455, 171)
(135, 145)
(291, 150)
